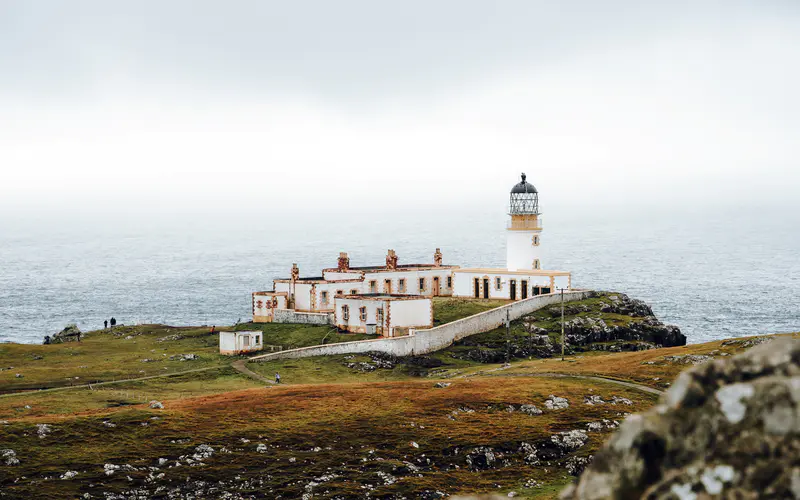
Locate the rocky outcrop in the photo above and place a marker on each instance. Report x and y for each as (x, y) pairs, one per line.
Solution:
(70, 333)
(729, 428)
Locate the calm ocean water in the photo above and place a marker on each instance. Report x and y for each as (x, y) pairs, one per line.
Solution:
(714, 274)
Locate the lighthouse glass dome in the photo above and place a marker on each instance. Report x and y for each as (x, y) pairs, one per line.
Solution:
(524, 199)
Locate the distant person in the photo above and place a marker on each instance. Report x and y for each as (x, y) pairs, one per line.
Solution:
(213, 328)
(46, 339)
(113, 322)
(105, 324)
(277, 378)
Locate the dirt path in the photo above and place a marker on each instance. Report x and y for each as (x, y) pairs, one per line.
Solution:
(108, 382)
(597, 378)
(241, 368)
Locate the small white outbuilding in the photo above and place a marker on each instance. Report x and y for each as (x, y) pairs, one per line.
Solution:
(240, 342)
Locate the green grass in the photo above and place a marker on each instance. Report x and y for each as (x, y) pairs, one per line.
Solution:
(449, 309)
(292, 336)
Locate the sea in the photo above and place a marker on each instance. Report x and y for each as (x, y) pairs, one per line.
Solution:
(714, 272)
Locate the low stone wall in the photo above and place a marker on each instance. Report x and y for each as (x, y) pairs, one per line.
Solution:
(306, 318)
(434, 339)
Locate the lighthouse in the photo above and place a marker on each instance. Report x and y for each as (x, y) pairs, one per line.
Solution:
(524, 228)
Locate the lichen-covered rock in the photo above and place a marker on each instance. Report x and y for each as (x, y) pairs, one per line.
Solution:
(556, 403)
(9, 457)
(728, 428)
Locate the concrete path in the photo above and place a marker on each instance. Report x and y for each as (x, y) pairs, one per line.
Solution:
(241, 368)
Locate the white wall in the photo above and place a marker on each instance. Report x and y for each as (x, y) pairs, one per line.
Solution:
(411, 313)
(520, 250)
(264, 298)
(412, 281)
(463, 286)
(434, 339)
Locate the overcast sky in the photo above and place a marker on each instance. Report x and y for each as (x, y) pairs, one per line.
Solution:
(167, 103)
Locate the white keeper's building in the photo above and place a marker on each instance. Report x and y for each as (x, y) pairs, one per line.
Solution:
(358, 299)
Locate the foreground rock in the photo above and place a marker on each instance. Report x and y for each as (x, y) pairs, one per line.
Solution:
(728, 428)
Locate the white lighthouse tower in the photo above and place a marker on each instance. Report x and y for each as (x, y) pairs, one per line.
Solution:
(524, 228)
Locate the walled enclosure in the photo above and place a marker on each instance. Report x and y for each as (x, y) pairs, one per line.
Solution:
(434, 339)
(290, 316)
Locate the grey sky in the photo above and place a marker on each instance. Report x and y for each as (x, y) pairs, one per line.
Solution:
(629, 98)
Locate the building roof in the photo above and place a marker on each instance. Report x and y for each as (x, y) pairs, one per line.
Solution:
(523, 187)
(384, 296)
(526, 272)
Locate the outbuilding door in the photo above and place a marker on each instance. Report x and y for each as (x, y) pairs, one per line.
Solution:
(477, 288)
(524, 289)
(485, 288)
(435, 286)
(512, 289)
(387, 286)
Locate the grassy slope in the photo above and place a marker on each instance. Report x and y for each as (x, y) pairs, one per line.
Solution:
(342, 410)
(361, 429)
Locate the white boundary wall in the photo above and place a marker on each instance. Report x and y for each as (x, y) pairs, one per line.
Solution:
(434, 339)
(292, 316)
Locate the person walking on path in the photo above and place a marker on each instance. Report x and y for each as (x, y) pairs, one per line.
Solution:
(277, 378)
(113, 322)
(105, 324)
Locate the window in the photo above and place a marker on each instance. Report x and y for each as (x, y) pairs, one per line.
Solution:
(422, 284)
(353, 292)
(536, 240)
(401, 286)
(379, 315)
(498, 283)
(449, 282)
(346, 313)
(373, 286)
(258, 339)
(246, 340)
(324, 297)
(339, 292)
(362, 314)
(536, 264)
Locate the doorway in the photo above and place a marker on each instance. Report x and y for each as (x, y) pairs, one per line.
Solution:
(485, 288)
(524, 290)
(435, 286)
(536, 290)
(387, 286)
(512, 289)
(477, 288)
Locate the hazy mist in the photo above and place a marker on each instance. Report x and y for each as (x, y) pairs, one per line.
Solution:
(197, 107)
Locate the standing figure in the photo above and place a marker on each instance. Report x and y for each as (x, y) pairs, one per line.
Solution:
(113, 322)
(105, 324)
(277, 378)
(212, 328)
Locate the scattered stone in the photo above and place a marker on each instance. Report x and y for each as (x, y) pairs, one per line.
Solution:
(571, 440)
(261, 448)
(42, 430)
(414, 444)
(481, 458)
(19, 375)
(622, 401)
(441, 385)
(556, 403)
(202, 452)
(592, 400)
(688, 359)
(156, 405)
(109, 424)
(110, 469)
(184, 357)
(530, 410)
(9, 457)
(69, 474)
(729, 428)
